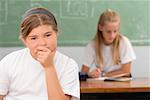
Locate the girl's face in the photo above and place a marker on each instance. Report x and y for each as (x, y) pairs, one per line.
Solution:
(109, 32)
(42, 36)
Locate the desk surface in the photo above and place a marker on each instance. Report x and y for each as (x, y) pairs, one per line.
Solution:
(97, 86)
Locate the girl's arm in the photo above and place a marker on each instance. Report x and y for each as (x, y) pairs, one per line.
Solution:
(1, 97)
(53, 87)
(54, 90)
(124, 69)
(95, 73)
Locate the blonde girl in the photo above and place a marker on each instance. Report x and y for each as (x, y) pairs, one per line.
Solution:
(109, 53)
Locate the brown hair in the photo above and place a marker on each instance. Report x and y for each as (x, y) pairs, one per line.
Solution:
(107, 16)
(36, 17)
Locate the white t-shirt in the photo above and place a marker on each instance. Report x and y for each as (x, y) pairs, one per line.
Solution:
(126, 55)
(23, 78)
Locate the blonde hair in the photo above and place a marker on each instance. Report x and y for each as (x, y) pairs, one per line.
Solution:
(106, 17)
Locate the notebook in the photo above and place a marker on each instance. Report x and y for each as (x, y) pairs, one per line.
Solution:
(120, 77)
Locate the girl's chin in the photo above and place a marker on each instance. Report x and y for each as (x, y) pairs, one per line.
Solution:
(108, 43)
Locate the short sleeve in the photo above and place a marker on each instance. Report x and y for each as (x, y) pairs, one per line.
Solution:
(126, 50)
(89, 54)
(4, 81)
(70, 80)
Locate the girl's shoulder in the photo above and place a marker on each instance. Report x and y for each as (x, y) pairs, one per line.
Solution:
(60, 57)
(91, 44)
(124, 40)
(13, 58)
(63, 61)
(15, 54)
(125, 43)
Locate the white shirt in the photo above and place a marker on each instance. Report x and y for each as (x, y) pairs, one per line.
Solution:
(125, 50)
(23, 78)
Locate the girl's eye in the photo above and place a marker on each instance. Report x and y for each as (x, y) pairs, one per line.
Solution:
(108, 32)
(115, 31)
(48, 35)
(33, 38)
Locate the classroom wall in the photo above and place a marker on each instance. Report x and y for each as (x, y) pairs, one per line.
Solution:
(140, 67)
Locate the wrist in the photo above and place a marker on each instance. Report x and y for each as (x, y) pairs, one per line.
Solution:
(47, 65)
(49, 68)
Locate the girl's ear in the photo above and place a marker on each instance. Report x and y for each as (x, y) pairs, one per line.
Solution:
(100, 27)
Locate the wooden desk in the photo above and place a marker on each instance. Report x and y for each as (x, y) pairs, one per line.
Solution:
(137, 85)
(96, 86)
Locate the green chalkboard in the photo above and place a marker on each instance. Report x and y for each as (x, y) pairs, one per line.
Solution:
(77, 19)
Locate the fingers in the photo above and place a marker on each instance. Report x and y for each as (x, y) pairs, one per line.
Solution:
(95, 73)
(95, 76)
(42, 48)
(45, 56)
(98, 70)
(42, 52)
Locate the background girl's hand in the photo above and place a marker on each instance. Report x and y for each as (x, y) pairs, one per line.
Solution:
(95, 73)
(45, 56)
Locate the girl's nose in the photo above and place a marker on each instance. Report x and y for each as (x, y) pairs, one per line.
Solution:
(112, 34)
(42, 42)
